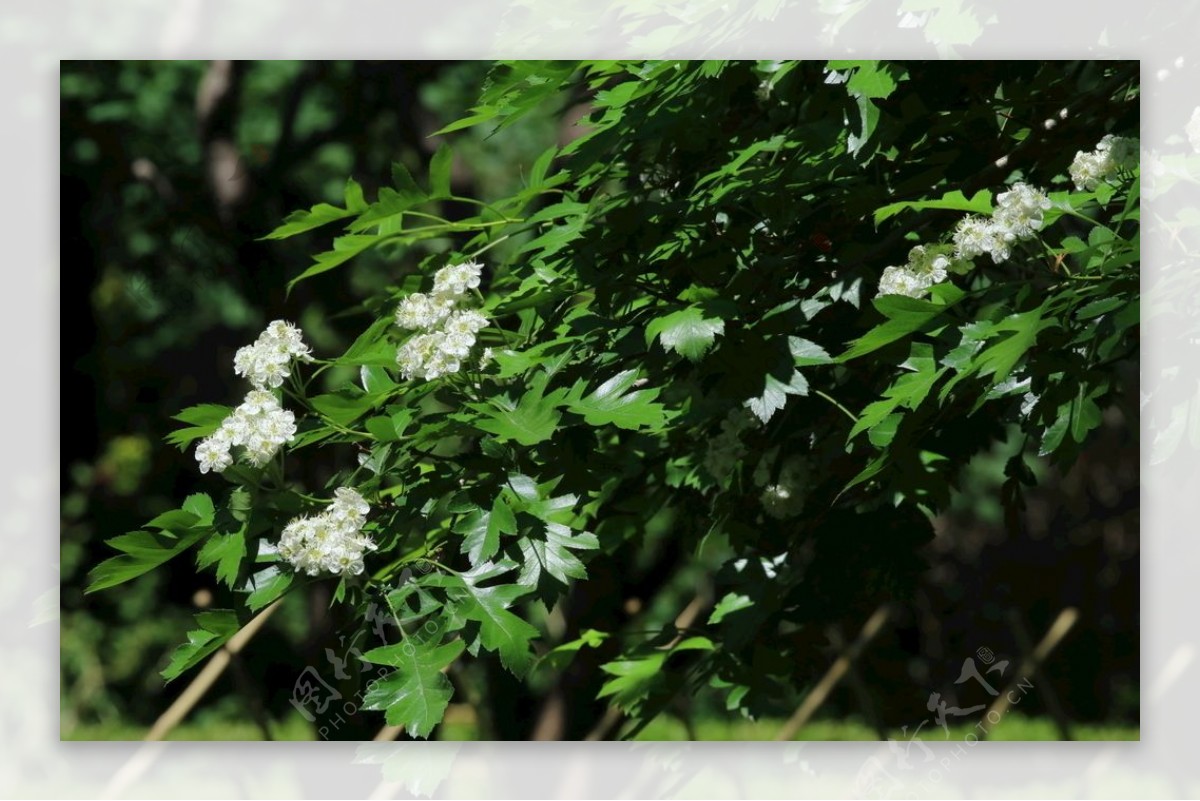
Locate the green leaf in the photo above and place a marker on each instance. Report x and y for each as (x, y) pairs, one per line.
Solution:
(529, 421)
(997, 360)
(405, 185)
(343, 408)
(227, 552)
(387, 211)
(537, 173)
(553, 555)
(1085, 415)
(382, 428)
(321, 214)
(732, 602)
(868, 81)
(480, 539)
(499, 629)
(266, 587)
(531, 498)
(560, 656)
(439, 171)
(873, 468)
(502, 516)
(687, 332)
(1053, 436)
(466, 122)
(612, 403)
(909, 391)
(808, 353)
(1102, 306)
(142, 551)
(372, 347)
(481, 531)
(514, 89)
(174, 520)
(905, 315)
(883, 432)
(204, 419)
(774, 395)
(633, 679)
(344, 249)
(868, 114)
(353, 194)
(201, 506)
(416, 694)
(979, 203)
(216, 627)
(872, 79)
(375, 380)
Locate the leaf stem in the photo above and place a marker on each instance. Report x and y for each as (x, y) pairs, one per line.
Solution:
(488, 246)
(829, 398)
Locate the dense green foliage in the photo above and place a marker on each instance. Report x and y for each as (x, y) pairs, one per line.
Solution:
(683, 319)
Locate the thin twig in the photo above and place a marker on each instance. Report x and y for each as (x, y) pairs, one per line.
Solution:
(813, 701)
(208, 676)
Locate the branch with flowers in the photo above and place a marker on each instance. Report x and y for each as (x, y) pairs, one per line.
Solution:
(667, 342)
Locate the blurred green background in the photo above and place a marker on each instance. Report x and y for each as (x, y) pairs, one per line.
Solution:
(170, 174)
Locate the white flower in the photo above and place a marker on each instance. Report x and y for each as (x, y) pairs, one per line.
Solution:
(259, 426)
(779, 502)
(1193, 130)
(1112, 154)
(456, 346)
(258, 400)
(415, 354)
(454, 280)
(725, 450)
(287, 339)
(1019, 211)
(349, 505)
(900, 281)
(1019, 215)
(973, 237)
(419, 311)
(938, 269)
(466, 322)
(446, 333)
(785, 498)
(1089, 170)
(267, 362)
(924, 269)
(213, 453)
(332, 541)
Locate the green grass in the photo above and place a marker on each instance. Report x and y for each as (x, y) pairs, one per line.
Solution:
(459, 727)
(292, 727)
(1011, 727)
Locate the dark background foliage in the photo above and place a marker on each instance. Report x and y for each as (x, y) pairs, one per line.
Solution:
(171, 174)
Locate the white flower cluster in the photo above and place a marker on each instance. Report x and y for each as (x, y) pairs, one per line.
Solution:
(925, 268)
(726, 449)
(332, 541)
(454, 280)
(1192, 129)
(259, 425)
(1019, 215)
(446, 332)
(267, 362)
(785, 497)
(1112, 154)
